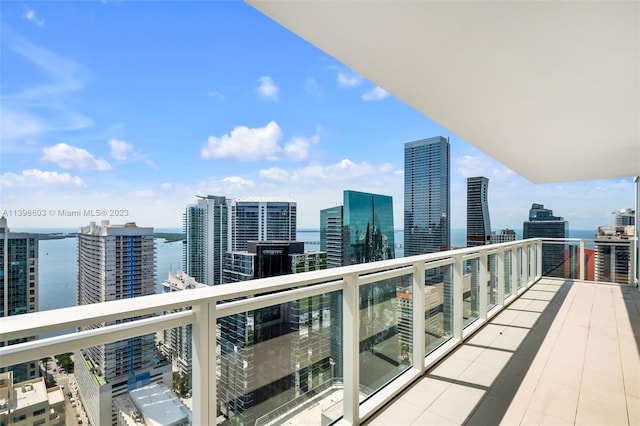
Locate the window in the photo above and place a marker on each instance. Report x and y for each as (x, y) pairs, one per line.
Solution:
(39, 412)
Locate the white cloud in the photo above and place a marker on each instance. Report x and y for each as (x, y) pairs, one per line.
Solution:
(267, 89)
(166, 186)
(346, 81)
(375, 94)
(120, 149)
(30, 15)
(245, 144)
(238, 182)
(344, 171)
(74, 158)
(312, 87)
(144, 193)
(298, 148)
(35, 177)
(215, 94)
(151, 164)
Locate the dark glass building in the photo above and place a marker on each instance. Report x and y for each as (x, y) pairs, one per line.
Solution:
(543, 224)
(426, 196)
(478, 222)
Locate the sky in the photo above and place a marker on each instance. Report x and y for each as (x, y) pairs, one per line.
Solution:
(126, 110)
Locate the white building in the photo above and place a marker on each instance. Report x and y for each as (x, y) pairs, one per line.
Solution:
(30, 402)
(505, 236)
(115, 262)
(152, 405)
(176, 342)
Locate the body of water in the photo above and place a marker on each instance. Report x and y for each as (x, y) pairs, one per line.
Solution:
(59, 270)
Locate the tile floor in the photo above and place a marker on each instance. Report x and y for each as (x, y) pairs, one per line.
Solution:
(564, 353)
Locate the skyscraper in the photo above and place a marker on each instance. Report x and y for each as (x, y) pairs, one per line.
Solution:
(115, 262)
(19, 289)
(205, 228)
(361, 231)
(543, 224)
(260, 219)
(478, 223)
(426, 196)
(176, 343)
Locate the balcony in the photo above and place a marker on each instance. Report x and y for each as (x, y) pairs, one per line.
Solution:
(475, 336)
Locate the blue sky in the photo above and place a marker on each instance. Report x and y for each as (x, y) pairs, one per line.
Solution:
(139, 106)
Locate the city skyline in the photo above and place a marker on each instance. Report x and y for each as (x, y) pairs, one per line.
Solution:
(136, 120)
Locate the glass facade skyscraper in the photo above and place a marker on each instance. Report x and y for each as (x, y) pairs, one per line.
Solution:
(19, 287)
(260, 219)
(205, 228)
(426, 196)
(478, 223)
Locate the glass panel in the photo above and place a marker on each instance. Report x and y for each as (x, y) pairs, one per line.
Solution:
(613, 261)
(508, 277)
(554, 256)
(276, 363)
(383, 351)
(492, 288)
(470, 291)
(439, 306)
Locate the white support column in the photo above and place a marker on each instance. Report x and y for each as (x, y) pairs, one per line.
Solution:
(483, 284)
(582, 261)
(526, 255)
(350, 348)
(500, 261)
(203, 379)
(457, 297)
(419, 308)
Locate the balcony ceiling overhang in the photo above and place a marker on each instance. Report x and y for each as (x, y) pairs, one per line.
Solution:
(549, 89)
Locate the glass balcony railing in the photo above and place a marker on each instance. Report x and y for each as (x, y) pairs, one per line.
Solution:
(319, 347)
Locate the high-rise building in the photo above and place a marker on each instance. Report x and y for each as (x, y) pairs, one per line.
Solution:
(260, 219)
(543, 224)
(19, 289)
(294, 334)
(360, 231)
(624, 217)
(426, 196)
(332, 235)
(478, 222)
(176, 343)
(115, 262)
(205, 228)
(506, 235)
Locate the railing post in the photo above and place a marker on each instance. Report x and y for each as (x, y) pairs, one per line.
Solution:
(632, 263)
(515, 273)
(483, 284)
(203, 376)
(582, 261)
(500, 275)
(539, 259)
(419, 309)
(457, 297)
(351, 345)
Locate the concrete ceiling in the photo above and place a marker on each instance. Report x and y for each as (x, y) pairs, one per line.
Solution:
(550, 89)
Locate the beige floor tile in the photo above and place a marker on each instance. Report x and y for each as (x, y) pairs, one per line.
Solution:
(451, 368)
(457, 402)
(429, 418)
(480, 374)
(490, 412)
(510, 338)
(398, 413)
(607, 384)
(539, 418)
(526, 319)
(424, 392)
(557, 400)
(599, 409)
(467, 352)
(633, 410)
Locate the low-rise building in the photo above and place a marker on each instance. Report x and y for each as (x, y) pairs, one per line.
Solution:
(30, 402)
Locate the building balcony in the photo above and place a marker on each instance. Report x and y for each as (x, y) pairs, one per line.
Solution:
(472, 336)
